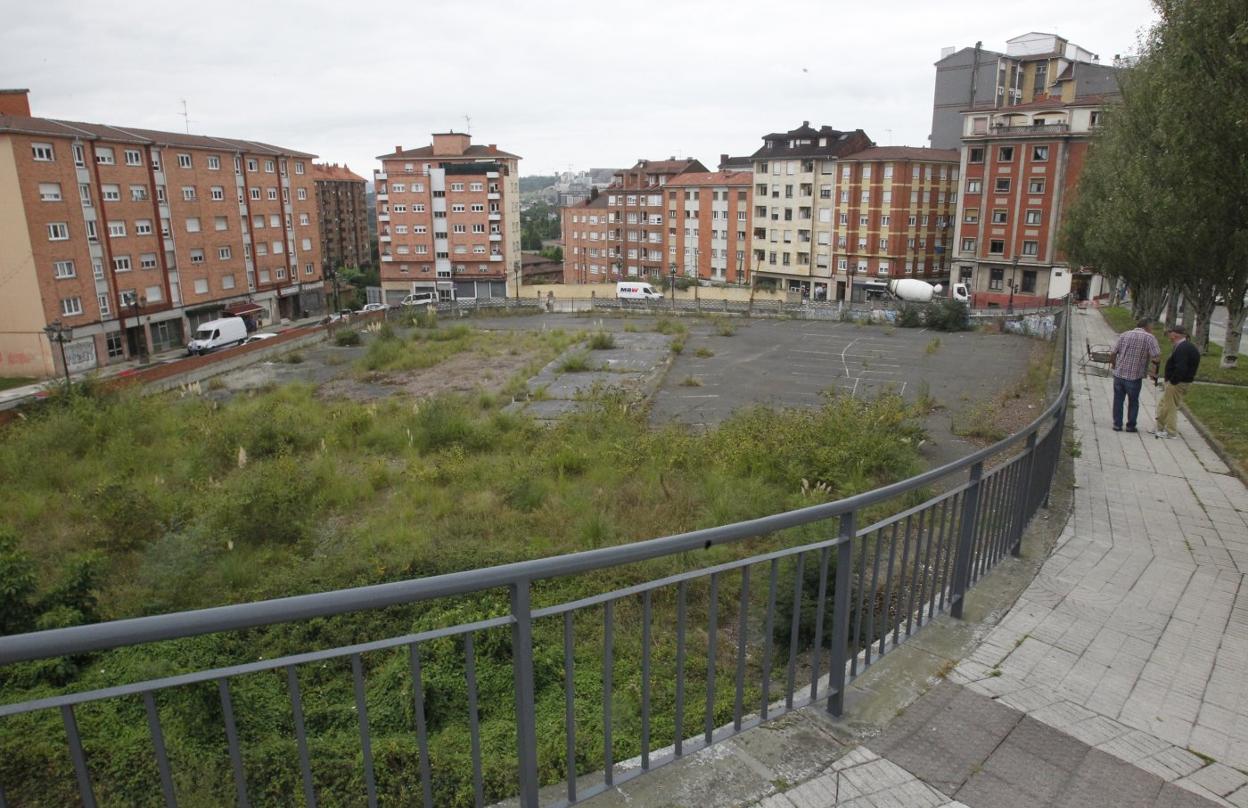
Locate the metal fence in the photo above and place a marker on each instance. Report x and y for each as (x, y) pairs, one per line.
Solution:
(754, 637)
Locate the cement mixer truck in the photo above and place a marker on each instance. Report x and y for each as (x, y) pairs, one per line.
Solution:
(913, 290)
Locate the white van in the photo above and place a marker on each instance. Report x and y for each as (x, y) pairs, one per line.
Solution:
(632, 290)
(216, 334)
(420, 299)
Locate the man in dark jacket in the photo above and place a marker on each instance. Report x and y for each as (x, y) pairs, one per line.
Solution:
(1180, 370)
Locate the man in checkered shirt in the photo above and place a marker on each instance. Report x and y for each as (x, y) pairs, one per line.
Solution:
(1133, 352)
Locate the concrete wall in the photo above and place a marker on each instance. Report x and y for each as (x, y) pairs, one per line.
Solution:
(607, 291)
(24, 350)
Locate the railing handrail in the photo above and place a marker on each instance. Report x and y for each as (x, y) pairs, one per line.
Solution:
(155, 628)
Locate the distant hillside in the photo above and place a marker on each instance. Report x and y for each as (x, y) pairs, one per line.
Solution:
(536, 183)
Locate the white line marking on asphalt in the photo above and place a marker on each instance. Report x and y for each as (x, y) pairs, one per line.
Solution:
(844, 351)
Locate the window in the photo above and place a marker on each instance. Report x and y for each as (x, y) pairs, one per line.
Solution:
(998, 216)
(110, 193)
(255, 194)
(227, 281)
(996, 246)
(252, 165)
(71, 306)
(1095, 119)
(457, 208)
(968, 245)
(42, 152)
(138, 193)
(883, 245)
(305, 244)
(142, 227)
(197, 256)
(885, 220)
(974, 186)
(268, 167)
(214, 162)
(121, 263)
(1031, 248)
(153, 294)
(184, 161)
(117, 229)
(303, 219)
(1029, 281)
(996, 279)
(50, 191)
(91, 234)
(1035, 186)
(58, 231)
(201, 286)
(272, 194)
(301, 193)
(104, 156)
(1042, 73)
(84, 193)
(1005, 154)
(274, 220)
(277, 248)
(971, 215)
(457, 186)
(298, 166)
(220, 223)
(218, 193)
(134, 157)
(1003, 185)
(160, 193)
(192, 224)
(147, 261)
(188, 193)
(63, 269)
(1039, 153)
(976, 155)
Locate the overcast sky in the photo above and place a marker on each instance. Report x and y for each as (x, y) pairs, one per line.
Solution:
(561, 83)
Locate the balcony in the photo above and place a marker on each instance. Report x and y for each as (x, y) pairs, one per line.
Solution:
(384, 237)
(383, 197)
(495, 217)
(383, 217)
(1046, 130)
(380, 175)
(496, 257)
(493, 196)
(386, 258)
(496, 236)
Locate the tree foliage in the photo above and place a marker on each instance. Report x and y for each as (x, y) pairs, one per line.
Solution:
(1163, 200)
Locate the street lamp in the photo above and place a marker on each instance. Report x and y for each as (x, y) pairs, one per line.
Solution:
(60, 334)
(515, 265)
(1009, 307)
(673, 269)
(136, 304)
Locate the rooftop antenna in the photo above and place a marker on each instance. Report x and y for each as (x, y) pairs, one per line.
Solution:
(890, 136)
(186, 116)
(468, 120)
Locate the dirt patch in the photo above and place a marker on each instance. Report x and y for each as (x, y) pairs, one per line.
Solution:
(462, 373)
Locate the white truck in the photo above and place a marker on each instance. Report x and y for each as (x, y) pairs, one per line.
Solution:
(216, 334)
(914, 290)
(635, 290)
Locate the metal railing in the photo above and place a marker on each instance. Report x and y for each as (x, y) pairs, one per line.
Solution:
(809, 619)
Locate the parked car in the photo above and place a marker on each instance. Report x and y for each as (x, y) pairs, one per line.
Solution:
(216, 334)
(634, 290)
(420, 299)
(372, 307)
(263, 335)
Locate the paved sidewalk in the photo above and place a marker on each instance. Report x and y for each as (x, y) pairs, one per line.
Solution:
(1118, 677)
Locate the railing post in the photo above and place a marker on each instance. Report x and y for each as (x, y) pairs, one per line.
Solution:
(1024, 496)
(522, 663)
(966, 539)
(840, 615)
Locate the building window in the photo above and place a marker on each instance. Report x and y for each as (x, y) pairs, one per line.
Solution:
(1005, 154)
(1031, 248)
(227, 281)
(1003, 185)
(184, 161)
(63, 269)
(138, 193)
(71, 306)
(192, 224)
(255, 194)
(252, 165)
(996, 246)
(1039, 153)
(110, 193)
(104, 156)
(223, 253)
(971, 215)
(121, 263)
(302, 193)
(268, 167)
(117, 229)
(142, 227)
(1095, 119)
(220, 223)
(272, 194)
(218, 193)
(298, 166)
(114, 345)
(1035, 186)
(303, 219)
(58, 231)
(974, 186)
(147, 261)
(197, 256)
(50, 191)
(188, 193)
(42, 152)
(998, 216)
(1029, 281)
(996, 279)
(968, 245)
(134, 157)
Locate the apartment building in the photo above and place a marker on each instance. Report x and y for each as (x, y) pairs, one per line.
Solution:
(636, 233)
(708, 225)
(1021, 157)
(133, 237)
(1034, 66)
(343, 215)
(893, 216)
(448, 219)
(794, 199)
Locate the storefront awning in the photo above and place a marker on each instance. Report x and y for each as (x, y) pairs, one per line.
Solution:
(243, 309)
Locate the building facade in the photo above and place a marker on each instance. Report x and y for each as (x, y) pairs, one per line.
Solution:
(133, 237)
(892, 216)
(794, 199)
(708, 225)
(343, 215)
(448, 219)
(588, 252)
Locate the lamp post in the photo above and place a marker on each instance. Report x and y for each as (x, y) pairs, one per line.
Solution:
(60, 334)
(673, 290)
(136, 305)
(1009, 307)
(515, 265)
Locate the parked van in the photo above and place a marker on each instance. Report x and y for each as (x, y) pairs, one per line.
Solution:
(216, 334)
(632, 290)
(420, 299)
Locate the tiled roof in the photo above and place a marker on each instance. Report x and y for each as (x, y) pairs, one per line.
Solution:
(599, 201)
(663, 166)
(836, 143)
(118, 134)
(905, 153)
(474, 152)
(321, 171)
(712, 178)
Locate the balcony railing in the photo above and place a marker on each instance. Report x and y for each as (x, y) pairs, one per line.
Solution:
(877, 584)
(1016, 131)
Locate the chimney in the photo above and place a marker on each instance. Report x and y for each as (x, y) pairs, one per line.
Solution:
(15, 102)
(723, 159)
(805, 123)
(398, 149)
(493, 147)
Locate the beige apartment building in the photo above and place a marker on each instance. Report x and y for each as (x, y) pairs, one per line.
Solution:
(134, 237)
(448, 219)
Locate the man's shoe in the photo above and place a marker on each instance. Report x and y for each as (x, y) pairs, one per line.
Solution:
(1132, 429)
(1161, 433)
(1117, 429)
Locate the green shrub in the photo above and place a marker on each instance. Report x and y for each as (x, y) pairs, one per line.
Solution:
(576, 363)
(601, 340)
(910, 316)
(346, 338)
(948, 315)
(17, 586)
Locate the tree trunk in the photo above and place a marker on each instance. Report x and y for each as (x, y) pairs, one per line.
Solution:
(1204, 312)
(1235, 311)
(1189, 314)
(1172, 306)
(1148, 301)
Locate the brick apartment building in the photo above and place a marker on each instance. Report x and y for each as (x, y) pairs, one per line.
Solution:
(795, 177)
(343, 214)
(892, 217)
(448, 219)
(1021, 155)
(708, 225)
(133, 237)
(635, 241)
